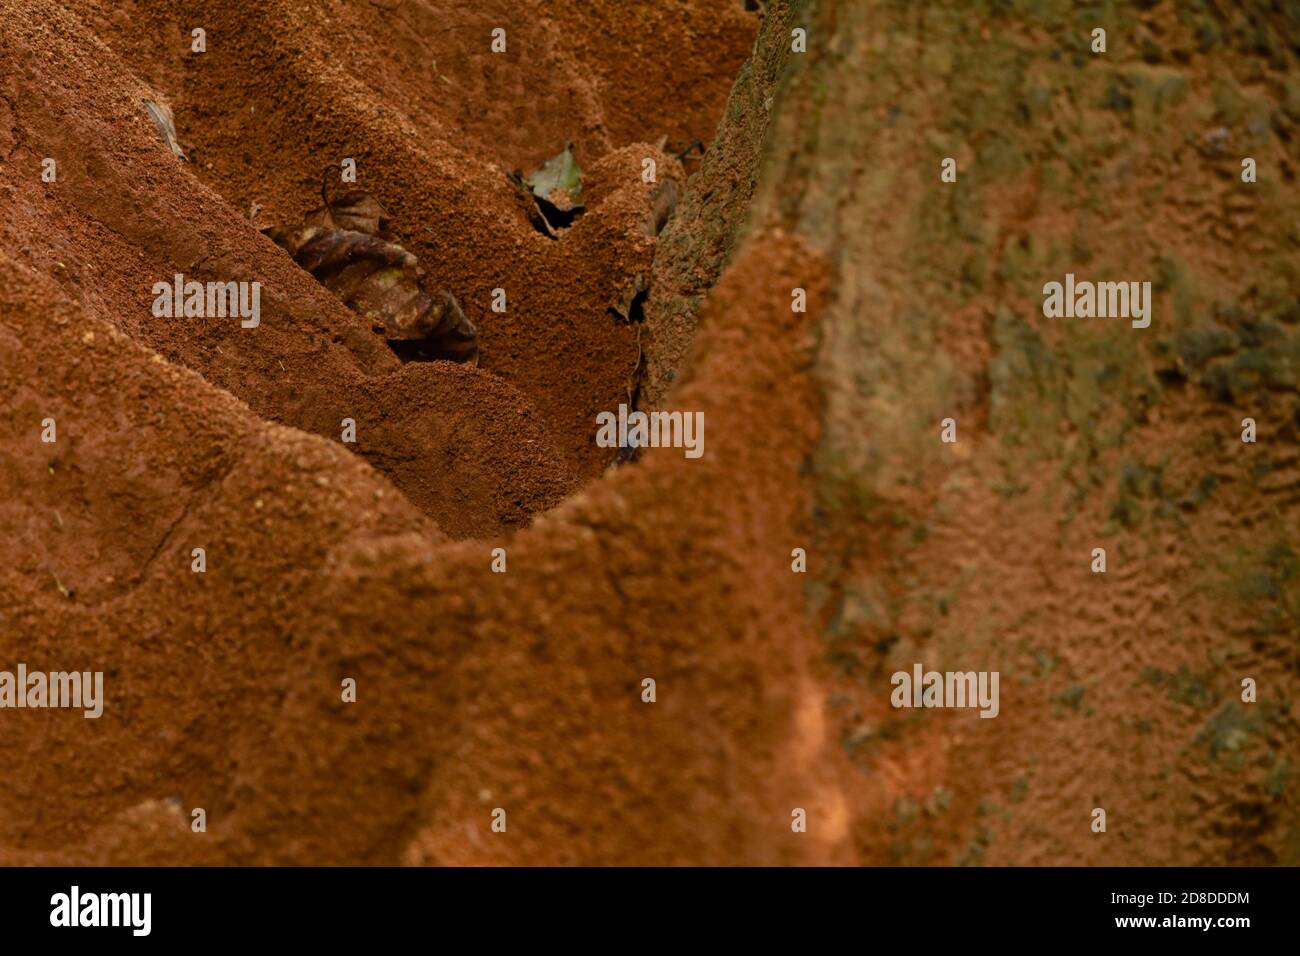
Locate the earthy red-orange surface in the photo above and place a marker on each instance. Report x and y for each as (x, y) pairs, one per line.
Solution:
(522, 690)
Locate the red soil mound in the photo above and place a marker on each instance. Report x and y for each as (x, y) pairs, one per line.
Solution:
(475, 689)
(376, 562)
(124, 214)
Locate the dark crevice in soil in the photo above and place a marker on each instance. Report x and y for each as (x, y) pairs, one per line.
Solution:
(424, 350)
(556, 217)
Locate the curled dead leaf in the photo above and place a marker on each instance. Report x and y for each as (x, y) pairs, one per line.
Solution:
(346, 244)
(355, 211)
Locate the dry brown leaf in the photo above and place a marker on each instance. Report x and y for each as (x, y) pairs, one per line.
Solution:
(346, 245)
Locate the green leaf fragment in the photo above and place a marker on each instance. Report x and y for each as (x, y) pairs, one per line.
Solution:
(560, 172)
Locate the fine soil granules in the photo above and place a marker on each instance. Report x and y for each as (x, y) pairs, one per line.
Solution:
(540, 432)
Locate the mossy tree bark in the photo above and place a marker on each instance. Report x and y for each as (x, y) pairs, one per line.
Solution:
(1123, 689)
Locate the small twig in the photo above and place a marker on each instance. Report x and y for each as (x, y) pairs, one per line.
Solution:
(692, 145)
